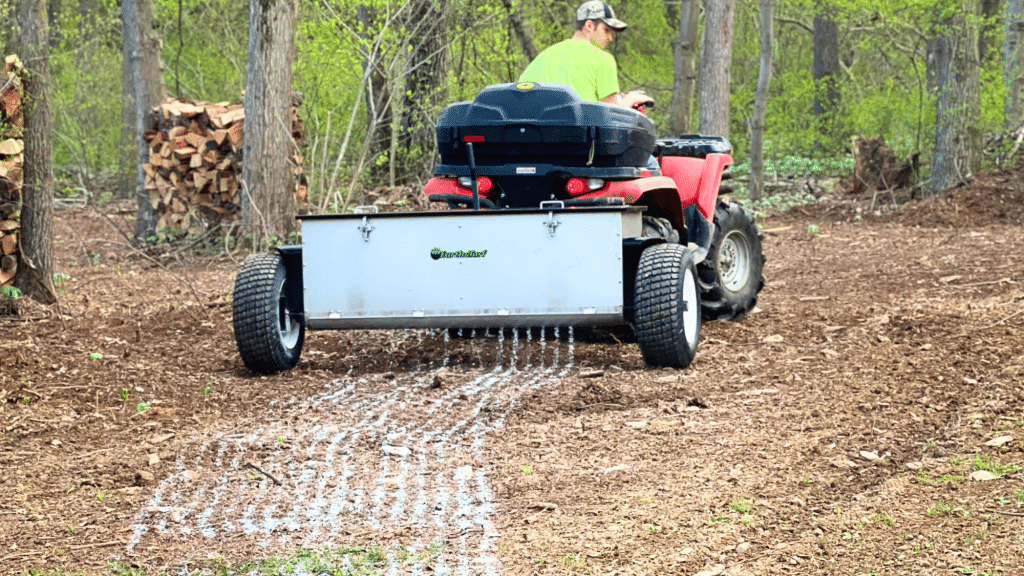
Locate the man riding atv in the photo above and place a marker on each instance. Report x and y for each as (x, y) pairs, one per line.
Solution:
(582, 63)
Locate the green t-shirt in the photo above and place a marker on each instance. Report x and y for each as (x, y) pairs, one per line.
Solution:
(585, 68)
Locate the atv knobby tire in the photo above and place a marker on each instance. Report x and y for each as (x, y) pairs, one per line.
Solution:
(655, 227)
(667, 306)
(269, 334)
(731, 274)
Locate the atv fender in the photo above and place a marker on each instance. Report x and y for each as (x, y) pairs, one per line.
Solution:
(657, 193)
(697, 179)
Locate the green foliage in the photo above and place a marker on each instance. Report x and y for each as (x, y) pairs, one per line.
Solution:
(881, 85)
(204, 47)
(9, 293)
(59, 282)
(85, 71)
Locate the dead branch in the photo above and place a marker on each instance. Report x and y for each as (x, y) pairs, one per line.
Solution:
(262, 471)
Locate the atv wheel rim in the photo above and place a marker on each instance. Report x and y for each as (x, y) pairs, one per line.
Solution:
(287, 327)
(691, 309)
(734, 261)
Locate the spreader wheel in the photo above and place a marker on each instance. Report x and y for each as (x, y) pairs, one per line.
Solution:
(269, 334)
(667, 306)
(731, 274)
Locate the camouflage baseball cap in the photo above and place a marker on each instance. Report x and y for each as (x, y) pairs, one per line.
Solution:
(601, 12)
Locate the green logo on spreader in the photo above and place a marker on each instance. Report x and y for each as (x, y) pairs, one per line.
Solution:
(437, 254)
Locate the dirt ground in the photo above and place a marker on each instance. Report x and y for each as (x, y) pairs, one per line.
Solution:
(867, 418)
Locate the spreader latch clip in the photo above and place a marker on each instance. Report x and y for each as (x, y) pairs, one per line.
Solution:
(365, 228)
(552, 222)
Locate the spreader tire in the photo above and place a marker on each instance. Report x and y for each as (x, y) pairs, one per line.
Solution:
(731, 274)
(667, 306)
(269, 334)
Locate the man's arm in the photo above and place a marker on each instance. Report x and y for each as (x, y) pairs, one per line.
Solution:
(628, 100)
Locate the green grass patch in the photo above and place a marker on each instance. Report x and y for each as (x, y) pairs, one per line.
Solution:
(341, 561)
(716, 520)
(942, 509)
(881, 518)
(741, 506)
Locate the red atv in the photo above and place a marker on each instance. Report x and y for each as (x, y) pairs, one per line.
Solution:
(523, 144)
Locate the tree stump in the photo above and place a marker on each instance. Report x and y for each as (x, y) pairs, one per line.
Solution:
(876, 168)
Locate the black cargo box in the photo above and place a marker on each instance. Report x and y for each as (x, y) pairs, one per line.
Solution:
(542, 123)
(692, 146)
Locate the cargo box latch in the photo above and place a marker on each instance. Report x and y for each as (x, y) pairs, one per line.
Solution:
(552, 222)
(365, 228)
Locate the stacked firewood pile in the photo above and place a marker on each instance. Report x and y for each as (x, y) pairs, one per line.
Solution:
(11, 177)
(195, 165)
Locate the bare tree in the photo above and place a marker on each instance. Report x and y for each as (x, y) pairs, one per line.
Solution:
(764, 81)
(425, 83)
(127, 150)
(825, 71)
(147, 89)
(715, 68)
(684, 56)
(521, 30)
(1013, 65)
(35, 258)
(954, 71)
(268, 207)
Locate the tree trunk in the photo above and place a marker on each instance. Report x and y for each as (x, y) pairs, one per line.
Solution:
(35, 266)
(825, 73)
(764, 80)
(522, 32)
(715, 68)
(268, 207)
(378, 88)
(684, 56)
(954, 59)
(989, 29)
(425, 85)
(147, 77)
(127, 151)
(1013, 65)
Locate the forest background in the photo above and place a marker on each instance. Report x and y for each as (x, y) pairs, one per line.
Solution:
(375, 74)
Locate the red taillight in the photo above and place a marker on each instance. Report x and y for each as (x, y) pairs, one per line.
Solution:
(474, 139)
(576, 186)
(483, 184)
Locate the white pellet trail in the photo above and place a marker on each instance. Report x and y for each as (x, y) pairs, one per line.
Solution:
(204, 517)
(138, 528)
(419, 507)
(340, 496)
(270, 523)
(243, 440)
(422, 480)
(378, 495)
(398, 508)
(306, 477)
(483, 518)
(463, 513)
(315, 513)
